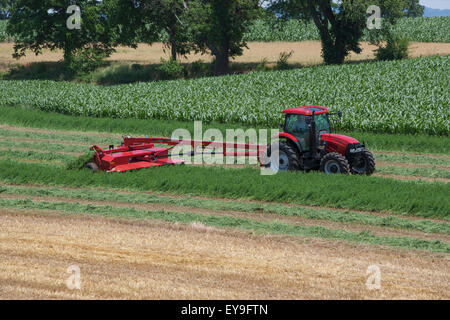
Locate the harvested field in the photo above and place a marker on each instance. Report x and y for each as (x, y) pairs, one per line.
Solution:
(133, 259)
(305, 53)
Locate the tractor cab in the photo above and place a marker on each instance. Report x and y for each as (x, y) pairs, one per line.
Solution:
(299, 121)
(307, 143)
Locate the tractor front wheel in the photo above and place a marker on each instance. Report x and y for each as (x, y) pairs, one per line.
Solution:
(365, 164)
(333, 163)
(287, 157)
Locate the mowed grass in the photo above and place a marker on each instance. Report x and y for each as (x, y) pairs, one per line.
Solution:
(258, 227)
(117, 196)
(351, 192)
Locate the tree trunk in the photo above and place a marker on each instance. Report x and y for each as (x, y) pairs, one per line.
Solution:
(222, 56)
(173, 50)
(68, 55)
(173, 44)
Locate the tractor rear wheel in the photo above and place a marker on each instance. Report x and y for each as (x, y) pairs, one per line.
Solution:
(92, 166)
(333, 163)
(365, 164)
(287, 157)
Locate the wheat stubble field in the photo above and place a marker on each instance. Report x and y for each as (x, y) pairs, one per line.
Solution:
(305, 53)
(150, 260)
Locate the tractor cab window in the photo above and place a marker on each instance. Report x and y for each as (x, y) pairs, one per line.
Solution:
(298, 126)
(322, 123)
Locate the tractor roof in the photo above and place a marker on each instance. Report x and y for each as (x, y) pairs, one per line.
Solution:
(307, 110)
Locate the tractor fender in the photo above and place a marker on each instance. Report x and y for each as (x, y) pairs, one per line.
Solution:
(290, 138)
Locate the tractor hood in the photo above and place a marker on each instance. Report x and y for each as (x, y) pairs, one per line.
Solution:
(337, 142)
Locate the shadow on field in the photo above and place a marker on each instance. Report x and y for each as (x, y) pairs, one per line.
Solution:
(39, 71)
(114, 73)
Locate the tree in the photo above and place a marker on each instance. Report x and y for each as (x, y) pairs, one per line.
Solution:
(340, 24)
(414, 9)
(38, 25)
(145, 20)
(219, 26)
(171, 17)
(5, 7)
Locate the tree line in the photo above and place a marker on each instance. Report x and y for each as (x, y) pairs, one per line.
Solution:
(206, 26)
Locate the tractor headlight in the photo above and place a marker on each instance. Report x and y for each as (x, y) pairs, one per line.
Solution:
(356, 150)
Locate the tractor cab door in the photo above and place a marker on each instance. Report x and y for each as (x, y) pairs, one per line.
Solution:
(300, 126)
(322, 124)
(297, 125)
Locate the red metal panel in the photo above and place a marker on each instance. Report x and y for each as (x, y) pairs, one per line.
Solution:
(135, 166)
(305, 110)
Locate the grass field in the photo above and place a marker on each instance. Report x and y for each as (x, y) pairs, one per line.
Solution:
(174, 224)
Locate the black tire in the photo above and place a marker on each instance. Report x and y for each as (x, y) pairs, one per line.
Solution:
(287, 157)
(92, 166)
(333, 163)
(365, 164)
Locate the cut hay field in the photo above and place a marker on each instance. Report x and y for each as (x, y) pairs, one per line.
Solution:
(211, 232)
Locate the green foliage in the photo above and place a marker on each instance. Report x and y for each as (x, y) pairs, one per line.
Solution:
(405, 96)
(5, 9)
(88, 59)
(426, 29)
(151, 20)
(199, 69)
(262, 66)
(80, 162)
(351, 192)
(414, 9)
(340, 24)
(92, 42)
(170, 69)
(395, 49)
(3, 35)
(218, 26)
(38, 71)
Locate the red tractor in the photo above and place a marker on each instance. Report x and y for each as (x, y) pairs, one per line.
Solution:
(308, 144)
